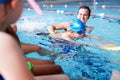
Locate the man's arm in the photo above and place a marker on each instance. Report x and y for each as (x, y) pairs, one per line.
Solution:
(59, 26)
(89, 29)
(99, 39)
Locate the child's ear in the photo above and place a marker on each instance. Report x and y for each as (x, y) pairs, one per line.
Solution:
(14, 3)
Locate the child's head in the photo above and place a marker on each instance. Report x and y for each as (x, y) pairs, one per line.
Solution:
(10, 11)
(77, 26)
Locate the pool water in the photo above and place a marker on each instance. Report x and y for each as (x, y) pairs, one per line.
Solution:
(79, 62)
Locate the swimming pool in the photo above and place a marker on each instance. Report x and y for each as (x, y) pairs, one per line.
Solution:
(80, 62)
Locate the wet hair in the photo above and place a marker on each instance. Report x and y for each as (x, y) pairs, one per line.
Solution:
(10, 31)
(85, 7)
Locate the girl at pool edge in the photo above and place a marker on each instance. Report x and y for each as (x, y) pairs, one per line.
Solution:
(38, 66)
(12, 62)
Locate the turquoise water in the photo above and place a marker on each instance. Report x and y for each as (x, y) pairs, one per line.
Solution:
(79, 62)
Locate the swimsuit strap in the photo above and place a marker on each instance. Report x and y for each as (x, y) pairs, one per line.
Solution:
(1, 78)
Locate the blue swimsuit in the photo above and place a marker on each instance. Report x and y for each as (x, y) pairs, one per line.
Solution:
(1, 78)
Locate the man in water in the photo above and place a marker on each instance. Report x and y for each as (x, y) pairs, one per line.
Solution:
(83, 15)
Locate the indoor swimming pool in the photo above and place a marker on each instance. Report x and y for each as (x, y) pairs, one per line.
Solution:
(79, 62)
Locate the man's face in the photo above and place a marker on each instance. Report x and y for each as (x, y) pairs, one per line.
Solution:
(83, 15)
